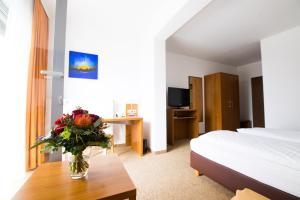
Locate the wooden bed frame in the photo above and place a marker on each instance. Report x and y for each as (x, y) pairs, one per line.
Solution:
(234, 180)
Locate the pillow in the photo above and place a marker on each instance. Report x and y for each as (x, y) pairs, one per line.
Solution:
(291, 136)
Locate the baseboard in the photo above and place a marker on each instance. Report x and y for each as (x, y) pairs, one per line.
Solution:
(149, 150)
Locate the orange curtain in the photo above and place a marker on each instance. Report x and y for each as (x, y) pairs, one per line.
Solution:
(36, 91)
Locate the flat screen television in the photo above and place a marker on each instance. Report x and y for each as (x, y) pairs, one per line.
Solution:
(178, 97)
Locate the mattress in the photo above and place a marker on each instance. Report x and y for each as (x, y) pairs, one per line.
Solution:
(268, 160)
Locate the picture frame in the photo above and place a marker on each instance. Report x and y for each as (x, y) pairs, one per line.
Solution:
(83, 65)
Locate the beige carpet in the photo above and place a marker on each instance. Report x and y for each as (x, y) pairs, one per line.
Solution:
(169, 176)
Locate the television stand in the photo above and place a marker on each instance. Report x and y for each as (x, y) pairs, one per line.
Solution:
(181, 124)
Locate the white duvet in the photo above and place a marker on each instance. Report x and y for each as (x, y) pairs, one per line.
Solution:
(269, 160)
(290, 136)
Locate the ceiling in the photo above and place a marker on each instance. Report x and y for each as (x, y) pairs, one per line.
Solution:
(229, 31)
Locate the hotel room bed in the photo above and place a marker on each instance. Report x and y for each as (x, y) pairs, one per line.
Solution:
(261, 161)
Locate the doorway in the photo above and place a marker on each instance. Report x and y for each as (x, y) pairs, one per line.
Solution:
(258, 102)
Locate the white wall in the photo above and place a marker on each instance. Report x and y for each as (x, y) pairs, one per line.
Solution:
(180, 67)
(280, 66)
(246, 72)
(14, 56)
(114, 30)
(176, 18)
(123, 34)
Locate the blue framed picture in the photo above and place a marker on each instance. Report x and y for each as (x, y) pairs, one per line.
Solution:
(83, 65)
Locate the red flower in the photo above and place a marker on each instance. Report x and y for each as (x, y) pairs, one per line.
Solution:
(83, 120)
(59, 129)
(58, 121)
(61, 119)
(78, 112)
(95, 117)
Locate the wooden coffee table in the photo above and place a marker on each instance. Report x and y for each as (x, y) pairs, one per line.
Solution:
(107, 179)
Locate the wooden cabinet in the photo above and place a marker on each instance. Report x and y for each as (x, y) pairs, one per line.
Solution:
(222, 109)
(181, 124)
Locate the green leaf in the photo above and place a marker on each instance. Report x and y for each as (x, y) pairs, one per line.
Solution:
(101, 144)
(87, 133)
(41, 141)
(81, 140)
(97, 123)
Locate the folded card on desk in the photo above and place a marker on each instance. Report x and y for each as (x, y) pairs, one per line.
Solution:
(131, 110)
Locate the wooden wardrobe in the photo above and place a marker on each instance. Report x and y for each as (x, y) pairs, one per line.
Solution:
(222, 109)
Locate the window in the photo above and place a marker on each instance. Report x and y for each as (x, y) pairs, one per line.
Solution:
(3, 16)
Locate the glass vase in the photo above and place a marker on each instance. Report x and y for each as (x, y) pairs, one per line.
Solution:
(78, 165)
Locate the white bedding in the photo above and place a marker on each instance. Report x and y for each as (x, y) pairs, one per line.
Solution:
(291, 136)
(269, 160)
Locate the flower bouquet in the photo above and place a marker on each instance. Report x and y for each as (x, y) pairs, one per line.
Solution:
(75, 133)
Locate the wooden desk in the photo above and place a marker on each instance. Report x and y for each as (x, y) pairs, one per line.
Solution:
(181, 124)
(134, 131)
(107, 179)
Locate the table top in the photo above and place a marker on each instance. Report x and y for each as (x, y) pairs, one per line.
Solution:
(121, 119)
(106, 179)
(247, 194)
